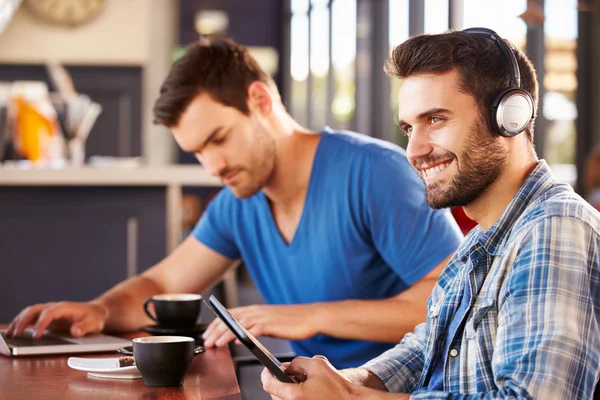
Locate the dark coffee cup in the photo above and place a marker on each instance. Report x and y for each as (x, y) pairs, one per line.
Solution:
(177, 310)
(163, 360)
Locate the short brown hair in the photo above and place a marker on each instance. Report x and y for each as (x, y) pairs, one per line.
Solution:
(218, 66)
(483, 70)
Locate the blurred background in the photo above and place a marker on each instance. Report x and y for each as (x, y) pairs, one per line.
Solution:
(91, 192)
(326, 57)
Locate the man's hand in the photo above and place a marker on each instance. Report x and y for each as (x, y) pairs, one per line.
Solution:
(293, 322)
(79, 318)
(321, 380)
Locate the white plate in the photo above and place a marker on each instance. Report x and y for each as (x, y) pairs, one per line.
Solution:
(104, 368)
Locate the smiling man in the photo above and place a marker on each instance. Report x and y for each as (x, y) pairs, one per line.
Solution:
(516, 314)
(332, 226)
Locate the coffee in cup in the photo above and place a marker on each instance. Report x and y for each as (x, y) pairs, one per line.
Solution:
(163, 360)
(176, 310)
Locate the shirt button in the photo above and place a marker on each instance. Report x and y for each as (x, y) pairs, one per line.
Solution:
(453, 352)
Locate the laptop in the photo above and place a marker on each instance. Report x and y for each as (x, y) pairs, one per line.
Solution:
(57, 343)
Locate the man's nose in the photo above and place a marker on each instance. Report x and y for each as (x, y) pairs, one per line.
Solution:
(214, 163)
(419, 145)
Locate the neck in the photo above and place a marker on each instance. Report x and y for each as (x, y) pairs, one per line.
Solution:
(295, 152)
(488, 207)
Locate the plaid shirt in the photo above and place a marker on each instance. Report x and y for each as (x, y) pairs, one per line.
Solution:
(533, 327)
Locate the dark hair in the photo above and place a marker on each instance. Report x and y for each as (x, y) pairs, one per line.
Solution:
(483, 70)
(218, 66)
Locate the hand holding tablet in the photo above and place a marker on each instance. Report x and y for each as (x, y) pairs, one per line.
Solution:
(256, 348)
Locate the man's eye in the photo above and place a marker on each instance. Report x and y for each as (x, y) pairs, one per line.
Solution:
(407, 130)
(435, 119)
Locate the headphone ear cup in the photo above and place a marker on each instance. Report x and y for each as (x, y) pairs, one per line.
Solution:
(511, 112)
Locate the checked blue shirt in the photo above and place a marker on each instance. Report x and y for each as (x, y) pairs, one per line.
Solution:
(533, 327)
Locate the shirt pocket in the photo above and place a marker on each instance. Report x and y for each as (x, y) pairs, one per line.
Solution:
(484, 313)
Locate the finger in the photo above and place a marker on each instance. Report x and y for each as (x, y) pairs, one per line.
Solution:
(90, 324)
(26, 318)
(17, 320)
(297, 366)
(300, 376)
(211, 339)
(224, 339)
(277, 389)
(211, 327)
(56, 312)
(11, 326)
(307, 366)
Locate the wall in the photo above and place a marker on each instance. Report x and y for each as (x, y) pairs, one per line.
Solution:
(117, 36)
(128, 32)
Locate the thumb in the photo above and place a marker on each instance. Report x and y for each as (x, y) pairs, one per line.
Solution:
(298, 366)
(85, 326)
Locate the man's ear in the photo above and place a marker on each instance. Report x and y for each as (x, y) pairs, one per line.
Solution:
(259, 98)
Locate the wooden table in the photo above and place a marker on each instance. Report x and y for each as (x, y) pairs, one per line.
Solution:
(211, 376)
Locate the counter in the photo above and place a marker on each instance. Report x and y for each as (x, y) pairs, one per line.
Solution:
(182, 175)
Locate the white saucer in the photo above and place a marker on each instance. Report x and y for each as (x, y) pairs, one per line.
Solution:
(104, 368)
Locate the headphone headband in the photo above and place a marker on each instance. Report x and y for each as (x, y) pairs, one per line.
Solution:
(515, 76)
(513, 108)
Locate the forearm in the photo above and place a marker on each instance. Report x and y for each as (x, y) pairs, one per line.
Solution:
(369, 394)
(364, 377)
(381, 320)
(371, 388)
(125, 303)
(386, 320)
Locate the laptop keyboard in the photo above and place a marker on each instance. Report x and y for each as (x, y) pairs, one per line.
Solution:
(28, 341)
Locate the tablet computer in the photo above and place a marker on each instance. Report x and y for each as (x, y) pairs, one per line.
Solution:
(256, 348)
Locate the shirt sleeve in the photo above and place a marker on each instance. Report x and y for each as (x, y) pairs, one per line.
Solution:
(400, 367)
(547, 344)
(215, 227)
(411, 237)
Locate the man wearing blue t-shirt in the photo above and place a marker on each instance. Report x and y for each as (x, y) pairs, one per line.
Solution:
(332, 226)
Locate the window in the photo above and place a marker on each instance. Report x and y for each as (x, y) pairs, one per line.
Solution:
(560, 85)
(322, 95)
(299, 60)
(436, 16)
(501, 16)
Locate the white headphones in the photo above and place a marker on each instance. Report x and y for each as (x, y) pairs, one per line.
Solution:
(512, 109)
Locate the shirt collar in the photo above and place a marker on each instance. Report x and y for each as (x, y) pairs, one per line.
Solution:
(537, 182)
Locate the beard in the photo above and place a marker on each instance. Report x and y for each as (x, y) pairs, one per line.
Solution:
(258, 168)
(479, 165)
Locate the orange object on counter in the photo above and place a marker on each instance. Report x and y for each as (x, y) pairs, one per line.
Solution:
(34, 131)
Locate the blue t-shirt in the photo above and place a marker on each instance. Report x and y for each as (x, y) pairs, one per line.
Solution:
(365, 233)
